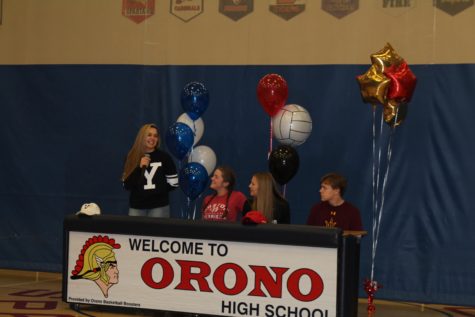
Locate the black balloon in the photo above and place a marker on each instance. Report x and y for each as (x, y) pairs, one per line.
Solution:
(283, 163)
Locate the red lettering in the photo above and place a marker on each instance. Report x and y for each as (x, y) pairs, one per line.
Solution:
(187, 275)
(240, 274)
(167, 273)
(316, 287)
(271, 279)
(263, 276)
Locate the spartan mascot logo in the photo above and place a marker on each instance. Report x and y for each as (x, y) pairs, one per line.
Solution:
(97, 263)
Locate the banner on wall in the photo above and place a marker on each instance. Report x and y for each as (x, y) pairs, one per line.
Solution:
(453, 7)
(287, 9)
(186, 10)
(138, 11)
(396, 8)
(201, 276)
(340, 8)
(236, 9)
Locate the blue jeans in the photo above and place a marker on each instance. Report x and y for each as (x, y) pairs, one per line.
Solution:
(159, 212)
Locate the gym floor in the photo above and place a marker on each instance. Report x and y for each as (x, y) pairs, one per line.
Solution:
(25, 294)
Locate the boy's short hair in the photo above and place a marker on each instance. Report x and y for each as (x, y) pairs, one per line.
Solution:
(336, 181)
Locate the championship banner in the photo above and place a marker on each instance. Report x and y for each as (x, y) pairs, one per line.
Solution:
(138, 10)
(340, 8)
(287, 9)
(236, 9)
(186, 10)
(453, 7)
(201, 276)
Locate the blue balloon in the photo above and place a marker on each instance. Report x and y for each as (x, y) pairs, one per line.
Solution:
(179, 139)
(193, 179)
(194, 99)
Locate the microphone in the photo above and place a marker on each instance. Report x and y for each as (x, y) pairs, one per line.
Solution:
(145, 166)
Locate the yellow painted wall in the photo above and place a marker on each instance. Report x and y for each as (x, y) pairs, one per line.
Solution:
(95, 32)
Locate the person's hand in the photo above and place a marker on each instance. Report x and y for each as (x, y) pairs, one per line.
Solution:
(145, 161)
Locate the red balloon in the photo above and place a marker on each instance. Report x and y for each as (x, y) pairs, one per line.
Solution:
(403, 82)
(272, 92)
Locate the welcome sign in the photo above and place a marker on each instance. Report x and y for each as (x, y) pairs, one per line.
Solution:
(218, 277)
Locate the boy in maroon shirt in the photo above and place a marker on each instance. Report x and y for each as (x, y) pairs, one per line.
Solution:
(333, 210)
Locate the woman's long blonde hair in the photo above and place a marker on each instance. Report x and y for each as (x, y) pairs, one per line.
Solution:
(267, 192)
(137, 150)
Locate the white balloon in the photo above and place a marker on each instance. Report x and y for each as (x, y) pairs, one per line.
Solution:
(292, 125)
(205, 156)
(197, 126)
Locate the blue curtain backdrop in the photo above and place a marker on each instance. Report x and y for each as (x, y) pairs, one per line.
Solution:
(66, 130)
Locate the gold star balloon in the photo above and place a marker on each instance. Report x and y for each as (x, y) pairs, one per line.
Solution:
(386, 57)
(394, 112)
(389, 82)
(373, 86)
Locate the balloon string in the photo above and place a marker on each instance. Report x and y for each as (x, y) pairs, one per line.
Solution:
(376, 189)
(188, 203)
(374, 182)
(270, 139)
(194, 211)
(377, 222)
(184, 211)
(377, 195)
(194, 138)
(284, 190)
(378, 168)
(374, 154)
(380, 212)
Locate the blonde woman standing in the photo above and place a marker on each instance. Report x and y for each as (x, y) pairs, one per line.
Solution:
(149, 174)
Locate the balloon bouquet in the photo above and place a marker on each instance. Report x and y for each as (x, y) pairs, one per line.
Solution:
(181, 138)
(290, 125)
(391, 83)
